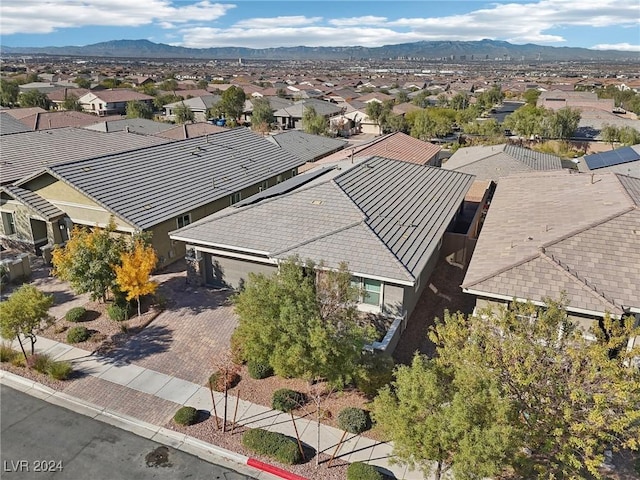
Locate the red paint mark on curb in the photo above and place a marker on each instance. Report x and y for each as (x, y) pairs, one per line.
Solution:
(252, 462)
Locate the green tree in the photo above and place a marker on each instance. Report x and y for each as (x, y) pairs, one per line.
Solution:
(23, 314)
(82, 82)
(301, 327)
(88, 259)
(262, 116)
(445, 418)
(422, 99)
(401, 97)
(574, 398)
(531, 96)
(34, 98)
(111, 83)
(71, 103)
(184, 114)
(629, 136)
(374, 111)
(202, 84)
(9, 91)
(562, 123)
(165, 99)
(232, 102)
(610, 134)
(314, 123)
(138, 109)
(526, 121)
(460, 101)
(433, 122)
(169, 85)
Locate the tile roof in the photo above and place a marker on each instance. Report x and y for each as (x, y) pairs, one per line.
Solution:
(149, 185)
(296, 110)
(8, 124)
(133, 125)
(383, 217)
(190, 130)
(34, 201)
(25, 153)
(58, 119)
(495, 161)
(199, 104)
(116, 95)
(61, 94)
(397, 146)
(549, 232)
(305, 146)
(19, 113)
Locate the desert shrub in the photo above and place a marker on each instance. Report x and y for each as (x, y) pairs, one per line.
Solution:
(118, 312)
(237, 351)
(272, 444)
(216, 380)
(363, 471)
(259, 370)
(286, 400)
(18, 361)
(186, 416)
(78, 334)
(376, 371)
(7, 354)
(60, 370)
(76, 314)
(39, 362)
(353, 420)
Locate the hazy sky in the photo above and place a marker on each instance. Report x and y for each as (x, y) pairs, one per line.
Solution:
(598, 24)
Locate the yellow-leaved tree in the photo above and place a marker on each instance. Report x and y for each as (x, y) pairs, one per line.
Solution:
(132, 275)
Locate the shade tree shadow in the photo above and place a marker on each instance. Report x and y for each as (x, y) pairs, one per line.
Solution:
(124, 349)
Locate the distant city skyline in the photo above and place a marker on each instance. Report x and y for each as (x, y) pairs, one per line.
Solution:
(600, 25)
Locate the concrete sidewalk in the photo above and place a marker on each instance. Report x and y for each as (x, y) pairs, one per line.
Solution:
(171, 392)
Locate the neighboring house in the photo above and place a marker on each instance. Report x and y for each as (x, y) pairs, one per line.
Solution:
(8, 125)
(162, 187)
(396, 146)
(58, 119)
(306, 146)
(557, 99)
(112, 101)
(142, 126)
(20, 113)
(198, 105)
(386, 219)
(58, 96)
(291, 116)
(190, 130)
(593, 120)
(625, 160)
(553, 233)
(25, 153)
(493, 162)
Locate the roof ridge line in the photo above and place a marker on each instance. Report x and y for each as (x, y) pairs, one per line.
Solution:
(583, 282)
(317, 237)
(586, 227)
(527, 259)
(624, 189)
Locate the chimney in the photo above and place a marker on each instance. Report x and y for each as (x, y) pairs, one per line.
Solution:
(126, 128)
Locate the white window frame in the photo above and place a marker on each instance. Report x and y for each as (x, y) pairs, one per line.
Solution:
(187, 217)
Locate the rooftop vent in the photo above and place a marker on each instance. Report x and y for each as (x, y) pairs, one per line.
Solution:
(317, 202)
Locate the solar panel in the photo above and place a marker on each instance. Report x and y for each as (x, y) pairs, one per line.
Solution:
(612, 158)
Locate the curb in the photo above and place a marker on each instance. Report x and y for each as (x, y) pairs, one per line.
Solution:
(265, 467)
(134, 425)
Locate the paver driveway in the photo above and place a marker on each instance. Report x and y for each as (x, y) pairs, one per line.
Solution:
(183, 340)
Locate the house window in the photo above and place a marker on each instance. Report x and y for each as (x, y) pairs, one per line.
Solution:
(264, 185)
(8, 223)
(279, 179)
(236, 197)
(184, 220)
(370, 290)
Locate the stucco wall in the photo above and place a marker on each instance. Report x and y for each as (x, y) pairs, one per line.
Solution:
(412, 294)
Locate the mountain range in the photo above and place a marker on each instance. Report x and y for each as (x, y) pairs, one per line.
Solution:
(430, 50)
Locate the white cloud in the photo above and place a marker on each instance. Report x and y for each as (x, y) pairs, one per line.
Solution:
(625, 47)
(35, 16)
(353, 21)
(275, 22)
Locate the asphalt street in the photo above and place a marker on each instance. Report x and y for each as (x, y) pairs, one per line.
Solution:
(39, 440)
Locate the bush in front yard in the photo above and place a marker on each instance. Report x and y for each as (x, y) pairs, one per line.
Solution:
(76, 314)
(286, 400)
(353, 420)
(78, 334)
(60, 370)
(39, 362)
(363, 471)
(7, 353)
(118, 313)
(186, 416)
(259, 370)
(376, 371)
(272, 444)
(216, 380)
